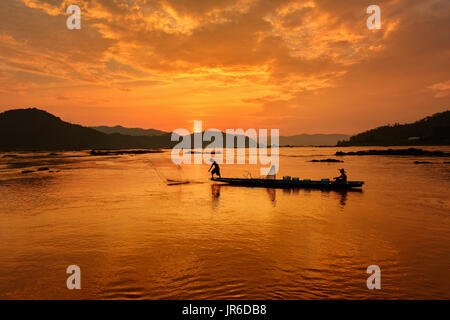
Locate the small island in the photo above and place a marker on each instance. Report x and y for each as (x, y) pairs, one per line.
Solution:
(395, 152)
(326, 160)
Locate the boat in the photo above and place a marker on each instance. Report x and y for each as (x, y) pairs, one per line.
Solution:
(291, 183)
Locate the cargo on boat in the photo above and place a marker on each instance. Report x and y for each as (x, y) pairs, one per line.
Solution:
(291, 183)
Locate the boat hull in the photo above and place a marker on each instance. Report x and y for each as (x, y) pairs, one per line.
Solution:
(290, 184)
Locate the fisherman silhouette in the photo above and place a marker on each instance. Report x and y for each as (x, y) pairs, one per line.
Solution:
(216, 169)
(342, 178)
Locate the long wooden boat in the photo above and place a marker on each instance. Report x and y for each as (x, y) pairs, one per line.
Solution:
(291, 183)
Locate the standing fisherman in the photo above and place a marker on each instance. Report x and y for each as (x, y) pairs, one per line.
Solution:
(216, 169)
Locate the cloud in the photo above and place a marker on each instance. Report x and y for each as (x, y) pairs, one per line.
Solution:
(442, 89)
(310, 59)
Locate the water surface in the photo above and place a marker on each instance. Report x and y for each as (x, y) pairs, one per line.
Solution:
(136, 237)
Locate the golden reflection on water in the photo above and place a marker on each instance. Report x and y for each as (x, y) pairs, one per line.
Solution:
(136, 237)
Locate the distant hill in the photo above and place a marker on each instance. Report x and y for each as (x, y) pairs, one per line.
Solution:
(433, 130)
(312, 139)
(129, 131)
(296, 140)
(34, 129)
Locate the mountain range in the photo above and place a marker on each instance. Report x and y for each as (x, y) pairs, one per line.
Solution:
(129, 131)
(312, 139)
(296, 140)
(34, 129)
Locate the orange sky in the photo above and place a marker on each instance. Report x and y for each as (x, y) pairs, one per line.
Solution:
(300, 66)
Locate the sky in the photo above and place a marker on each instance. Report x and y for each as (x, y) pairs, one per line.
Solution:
(299, 66)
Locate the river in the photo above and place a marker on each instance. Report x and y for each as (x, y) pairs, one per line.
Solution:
(136, 237)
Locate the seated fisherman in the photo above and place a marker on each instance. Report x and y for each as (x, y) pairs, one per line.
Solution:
(342, 178)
